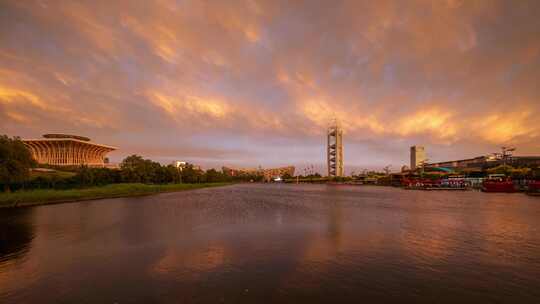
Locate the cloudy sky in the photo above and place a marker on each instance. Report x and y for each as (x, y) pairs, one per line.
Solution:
(248, 83)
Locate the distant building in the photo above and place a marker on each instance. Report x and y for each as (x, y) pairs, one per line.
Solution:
(179, 164)
(267, 174)
(272, 174)
(240, 171)
(482, 162)
(335, 150)
(418, 156)
(68, 150)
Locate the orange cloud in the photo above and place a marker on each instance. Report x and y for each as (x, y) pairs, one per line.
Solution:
(404, 72)
(504, 127)
(439, 122)
(10, 95)
(190, 105)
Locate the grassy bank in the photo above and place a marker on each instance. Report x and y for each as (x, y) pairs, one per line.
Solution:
(48, 196)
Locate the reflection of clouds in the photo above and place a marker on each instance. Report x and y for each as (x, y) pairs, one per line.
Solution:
(430, 236)
(427, 245)
(508, 232)
(15, 274)
(196, 262)
(305, 240)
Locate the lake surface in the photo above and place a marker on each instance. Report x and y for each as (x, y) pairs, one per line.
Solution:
(275, 243)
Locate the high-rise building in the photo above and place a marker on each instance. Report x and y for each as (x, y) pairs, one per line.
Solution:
(335, 150)
(418, 156)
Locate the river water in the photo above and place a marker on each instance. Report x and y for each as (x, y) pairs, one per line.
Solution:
(275, 243)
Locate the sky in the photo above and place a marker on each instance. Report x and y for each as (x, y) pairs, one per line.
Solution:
(256, 83)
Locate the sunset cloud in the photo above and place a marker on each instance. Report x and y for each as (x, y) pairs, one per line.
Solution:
(9, 95)
(266, 77)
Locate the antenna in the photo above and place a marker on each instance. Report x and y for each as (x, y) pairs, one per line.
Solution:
(507, 153)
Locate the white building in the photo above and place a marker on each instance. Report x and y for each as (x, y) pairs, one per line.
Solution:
(179, 164)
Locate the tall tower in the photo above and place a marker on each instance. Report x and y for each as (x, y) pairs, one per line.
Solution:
(335, 150)
(418, 156)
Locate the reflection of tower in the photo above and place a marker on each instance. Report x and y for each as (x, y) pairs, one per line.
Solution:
(335, 150)
(335, 219)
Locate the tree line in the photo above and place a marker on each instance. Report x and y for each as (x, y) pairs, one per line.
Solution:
(16, 163)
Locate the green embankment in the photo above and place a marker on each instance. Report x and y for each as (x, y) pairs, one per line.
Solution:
(51, 174)
(48, 196)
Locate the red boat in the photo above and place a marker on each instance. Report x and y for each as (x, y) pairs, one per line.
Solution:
(534, 188)
(499, 185)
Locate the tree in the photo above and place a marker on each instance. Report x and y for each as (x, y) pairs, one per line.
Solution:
(15, 162)
(213, 176)
(85, 176)
(521, 173)
(135, 169)
(286, 176)
(190, 174)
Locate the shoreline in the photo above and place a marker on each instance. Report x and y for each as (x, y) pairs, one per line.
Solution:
(39, 197)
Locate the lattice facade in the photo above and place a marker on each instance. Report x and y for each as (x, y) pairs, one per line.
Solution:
(67, 150)
(335, 150)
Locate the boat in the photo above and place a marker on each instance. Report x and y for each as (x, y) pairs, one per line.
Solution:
(499, 185)
(534, 188)
(446, 188)
(434, 185)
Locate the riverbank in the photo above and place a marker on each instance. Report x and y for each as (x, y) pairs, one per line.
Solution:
(50, 196)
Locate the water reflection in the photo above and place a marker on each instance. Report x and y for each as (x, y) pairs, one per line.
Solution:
(16, 236)
(277, 243)
(16, 233)
(334, 220)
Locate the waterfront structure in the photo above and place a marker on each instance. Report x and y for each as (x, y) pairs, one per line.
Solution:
(418, 157)
(274, 173)
(482, 162)
(68, 150)
(240, 171)
(267, 174)
(335, 150)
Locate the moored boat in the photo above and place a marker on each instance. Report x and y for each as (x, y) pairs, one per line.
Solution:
(446, 188)
(534, 188)
(419, 183)
(499, 185)
(435, 184)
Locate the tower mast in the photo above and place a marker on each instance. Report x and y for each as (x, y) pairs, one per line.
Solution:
(335, 149)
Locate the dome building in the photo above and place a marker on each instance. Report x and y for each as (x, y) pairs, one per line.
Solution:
(67, 150)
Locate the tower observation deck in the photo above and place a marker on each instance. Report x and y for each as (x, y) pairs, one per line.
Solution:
(335, 150)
